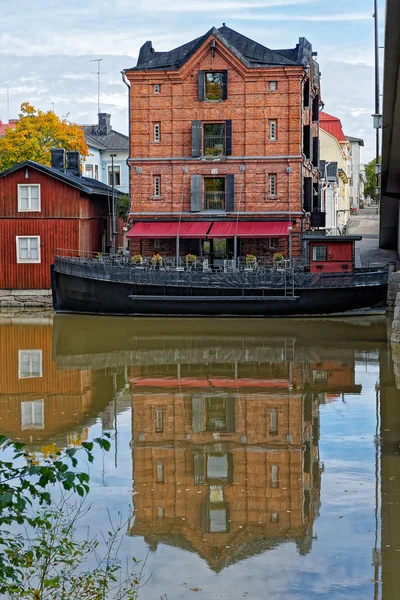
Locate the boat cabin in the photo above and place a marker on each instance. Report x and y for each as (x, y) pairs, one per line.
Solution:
(331, 253)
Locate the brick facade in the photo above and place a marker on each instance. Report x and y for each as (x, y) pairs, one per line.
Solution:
(249, 154)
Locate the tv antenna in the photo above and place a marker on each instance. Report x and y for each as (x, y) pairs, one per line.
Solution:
(98, 60)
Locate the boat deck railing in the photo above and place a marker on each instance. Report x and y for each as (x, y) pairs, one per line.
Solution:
(277, 276)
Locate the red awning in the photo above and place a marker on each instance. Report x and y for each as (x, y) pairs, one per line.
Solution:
(162, 229)
(250, 229)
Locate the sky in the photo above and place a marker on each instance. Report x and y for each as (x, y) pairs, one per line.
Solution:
(46, 49)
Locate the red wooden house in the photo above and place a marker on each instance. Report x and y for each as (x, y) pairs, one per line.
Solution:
(44, 209)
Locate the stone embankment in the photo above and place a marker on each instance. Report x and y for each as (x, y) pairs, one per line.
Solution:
(25, 299)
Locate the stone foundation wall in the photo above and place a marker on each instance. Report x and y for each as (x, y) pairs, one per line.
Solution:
(26, 299)
(393, 290)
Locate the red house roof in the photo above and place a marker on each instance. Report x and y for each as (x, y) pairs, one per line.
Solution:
(332, 125)
(11, 124)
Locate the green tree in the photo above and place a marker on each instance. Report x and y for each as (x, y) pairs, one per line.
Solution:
(370, 176)
(40, 556)
(35, 134)
(123, 207)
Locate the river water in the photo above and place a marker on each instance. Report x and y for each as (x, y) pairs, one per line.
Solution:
(260, 457)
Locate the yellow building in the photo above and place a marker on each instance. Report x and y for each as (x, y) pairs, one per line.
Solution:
(335, 149)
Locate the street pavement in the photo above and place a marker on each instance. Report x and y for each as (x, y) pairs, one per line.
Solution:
(368, 253)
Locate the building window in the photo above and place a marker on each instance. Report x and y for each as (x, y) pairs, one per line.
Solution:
(28, 249)
(29, 364)
(217, 466)
(214, 189)
(117, 175)
(156, 186)
(272, 131)
(214, 88)
(218, 516)
(156, 244)
(274, 476)
(157, 88)
(272, 86)
(159, 418)
(319, 376)
(273, 421)
(160, 471)
(160, 512)
(92, 171)
(157, 132)
(274, 517)
(214, 139)
(32, 414)
(319, 253)
(272, 185)
(272, 243)
(28, 198)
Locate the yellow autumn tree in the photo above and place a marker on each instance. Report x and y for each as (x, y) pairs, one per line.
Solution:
(35, 134)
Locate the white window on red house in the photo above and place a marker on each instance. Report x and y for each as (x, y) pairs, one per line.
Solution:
(160, 471)
(272, 130)
(156, 132)
(157, 186)
(272, 86)
(32, 414)
(29, 364)
(274, 476)
(157, 88)
(28, 249)
(117, 175)
(28, 198)
(159, 420)
(272, 185)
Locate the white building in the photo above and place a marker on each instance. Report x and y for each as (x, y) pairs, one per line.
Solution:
(356, 178)
(103, 142)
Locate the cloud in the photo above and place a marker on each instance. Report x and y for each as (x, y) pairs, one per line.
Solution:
(330, 17)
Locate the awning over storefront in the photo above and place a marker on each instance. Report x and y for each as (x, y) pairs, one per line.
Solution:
(161, 229)
(250, 229)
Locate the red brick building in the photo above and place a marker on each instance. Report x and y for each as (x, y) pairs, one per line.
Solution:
(223, 147)
(45, 209)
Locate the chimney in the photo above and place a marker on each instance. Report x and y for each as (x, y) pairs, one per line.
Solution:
(104, 127)
(74, 163)
(58, 159)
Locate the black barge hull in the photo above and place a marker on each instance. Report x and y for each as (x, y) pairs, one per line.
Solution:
(79, 294)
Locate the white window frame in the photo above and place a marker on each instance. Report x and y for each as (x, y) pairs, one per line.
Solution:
(117, 169)
(160, 471)
(27, 260)
(33, 425)
(272, 243)
(95, 171)
(156, 186)
(159, 420)
(272, 184)
(156, 133)
(29, 186)
(157, 88)
(31, 353)
(273, 421)
(273, 86)
(274, 476)
(272, 126)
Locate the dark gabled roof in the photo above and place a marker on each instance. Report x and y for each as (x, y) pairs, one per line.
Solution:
(357, 140)
(251, 53)
(113, 140)
(84, 184)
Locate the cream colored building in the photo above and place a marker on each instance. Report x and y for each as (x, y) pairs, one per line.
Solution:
(335, 148)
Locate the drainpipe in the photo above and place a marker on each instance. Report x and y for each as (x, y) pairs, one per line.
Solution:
(303, 159)
(126, 82)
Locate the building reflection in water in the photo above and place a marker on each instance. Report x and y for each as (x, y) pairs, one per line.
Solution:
(225, 443)
(225, 421)
(43, 406)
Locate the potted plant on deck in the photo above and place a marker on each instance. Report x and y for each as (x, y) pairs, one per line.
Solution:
(251, 262)
(191, 260)
(278, 260)
(137, 259)
(156, 260)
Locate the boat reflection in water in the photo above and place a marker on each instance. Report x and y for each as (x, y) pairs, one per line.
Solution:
(225, 437)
